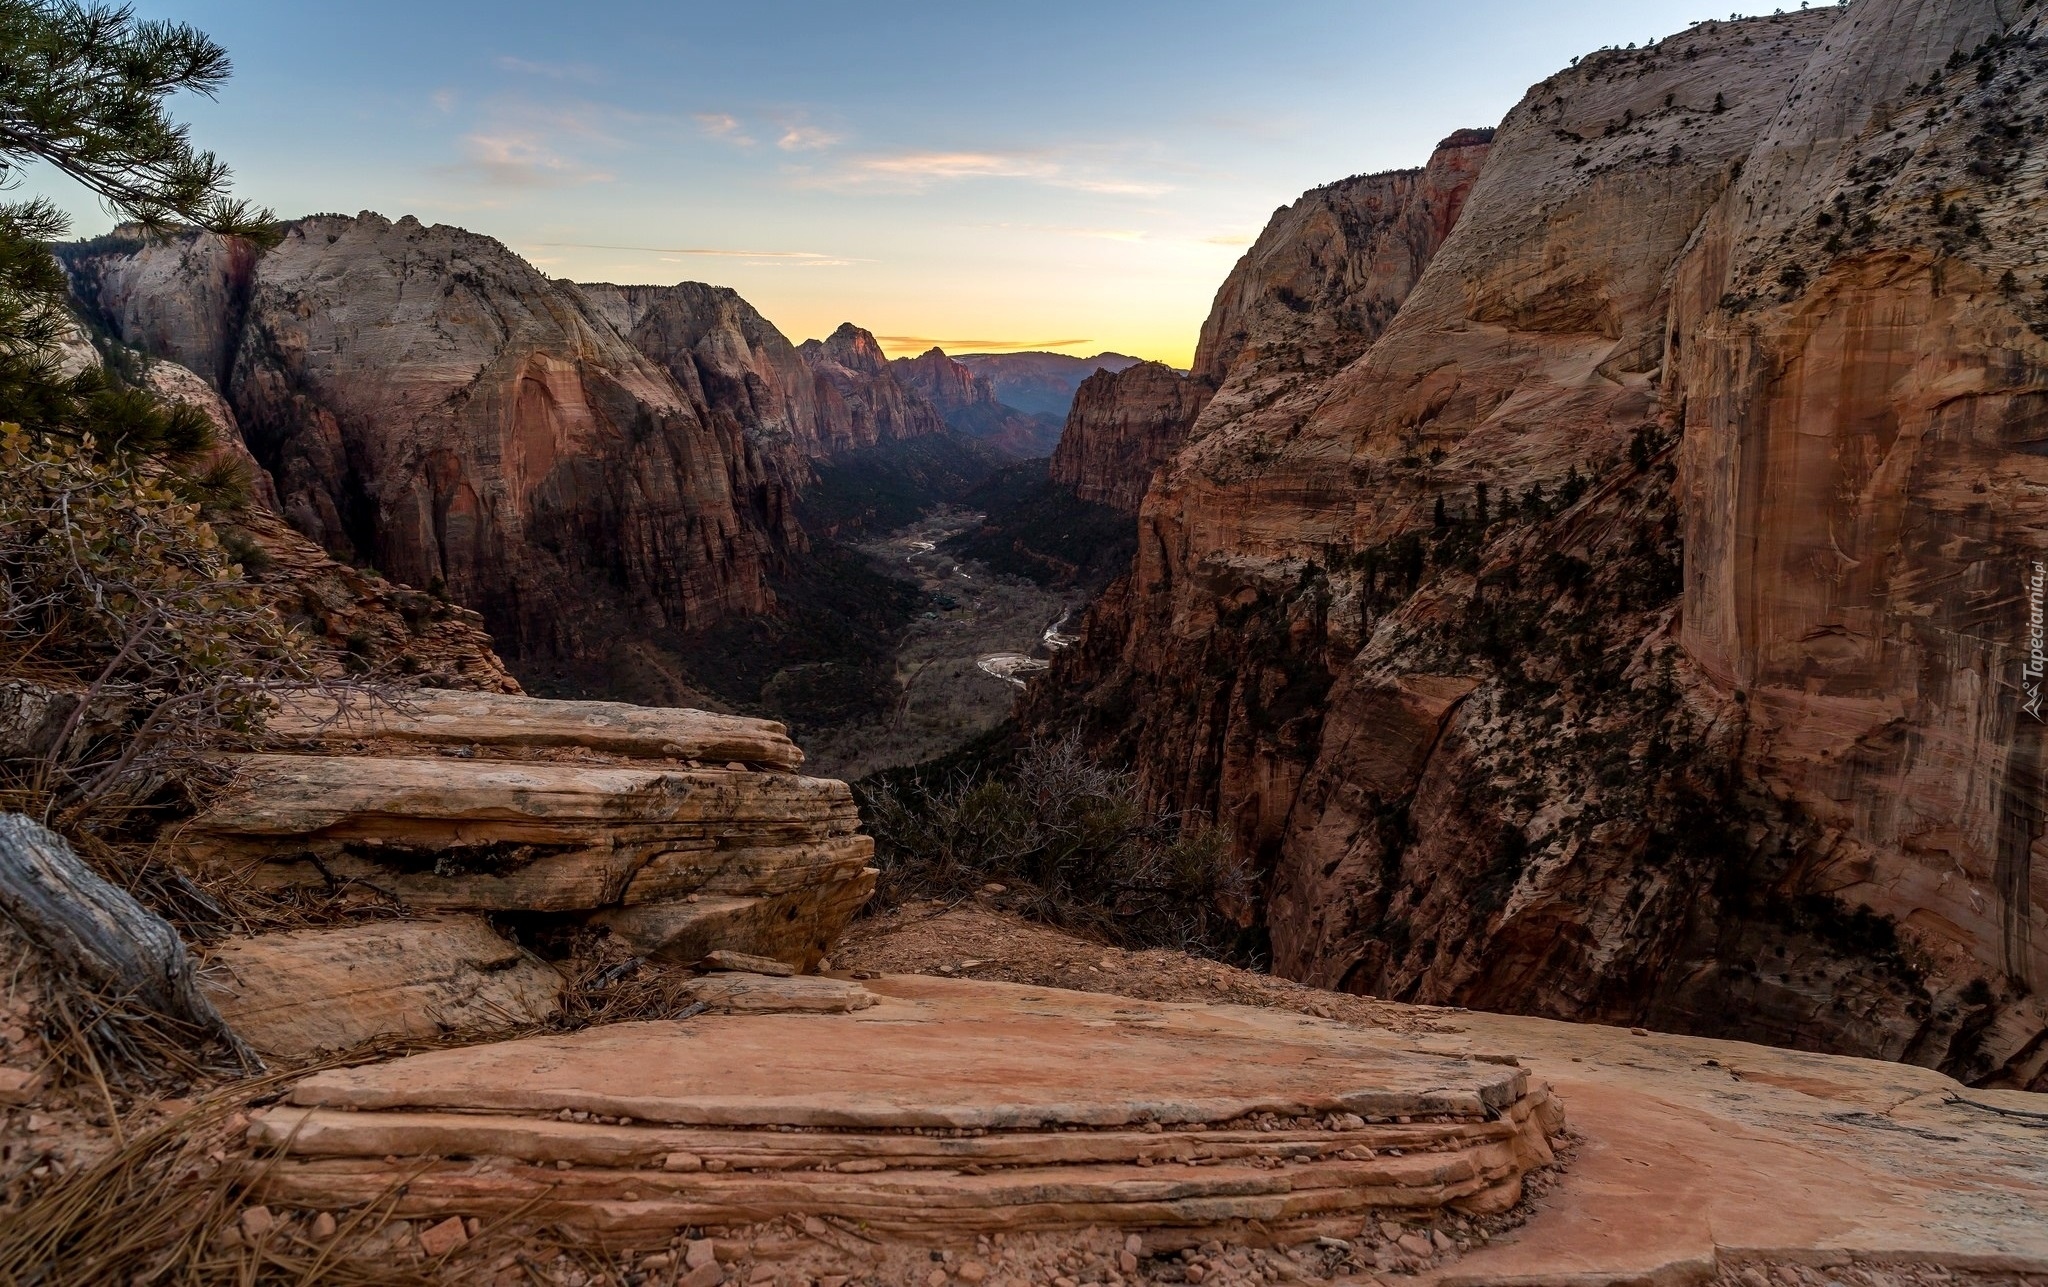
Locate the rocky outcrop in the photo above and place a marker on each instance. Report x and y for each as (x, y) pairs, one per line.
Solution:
(365, 623)
(460, 802)
(430, 403)
(878, 407)
(1124, 425)
(1318, 287)
(969, 405)
(1609, 638)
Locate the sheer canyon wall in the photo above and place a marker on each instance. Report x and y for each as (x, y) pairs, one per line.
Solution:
(1630, 628)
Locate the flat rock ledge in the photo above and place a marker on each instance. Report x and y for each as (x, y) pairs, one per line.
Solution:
(942, 1107)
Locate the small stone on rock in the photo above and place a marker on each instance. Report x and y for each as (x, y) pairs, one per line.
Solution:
(18, 1086)
(440, 1239)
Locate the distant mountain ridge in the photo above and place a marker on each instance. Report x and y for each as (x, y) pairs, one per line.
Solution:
(970, 404)
(1040, 383)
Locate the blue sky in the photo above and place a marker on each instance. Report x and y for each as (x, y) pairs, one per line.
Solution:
(1002, 175)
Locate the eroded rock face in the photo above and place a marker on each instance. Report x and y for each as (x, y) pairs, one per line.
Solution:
(1627, 619)
(732, 362)
(877, 405)
(1318, 287)
(428, 401)
(969, 405)
(361, 622)
(1124, 425)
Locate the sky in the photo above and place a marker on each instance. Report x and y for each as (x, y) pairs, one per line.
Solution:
(983, 176)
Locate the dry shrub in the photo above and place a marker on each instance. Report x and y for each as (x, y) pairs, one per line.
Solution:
(1075, 837)
(141, 646)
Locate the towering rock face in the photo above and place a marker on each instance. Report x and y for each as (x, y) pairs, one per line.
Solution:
(797, 404)
(429, 402)
(1858, 358)
(1124, 425)
(877, 406)
(1316, 289)
(968, 404)
(732, 363)
(1631, 631)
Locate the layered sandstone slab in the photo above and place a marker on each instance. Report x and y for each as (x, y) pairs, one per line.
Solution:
(945, 1106)
(312, 991)
(676, 862)
(797, 926)
(439, 717)
(778, 993)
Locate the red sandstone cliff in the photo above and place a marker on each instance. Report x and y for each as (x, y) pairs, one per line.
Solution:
(1628, 632)
(428, 401)
(1124, 425)
(879, 408)
(1314, 291)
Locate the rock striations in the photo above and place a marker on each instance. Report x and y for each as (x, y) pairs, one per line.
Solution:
(429, 402)
(1124, 425)
(680, 834)
(1316, 289)
(1633, 630)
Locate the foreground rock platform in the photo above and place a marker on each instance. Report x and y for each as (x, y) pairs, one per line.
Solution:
(946, 1107)
(1691, 1161)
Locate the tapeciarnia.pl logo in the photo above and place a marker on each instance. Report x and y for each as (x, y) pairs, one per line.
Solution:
(2037, 642)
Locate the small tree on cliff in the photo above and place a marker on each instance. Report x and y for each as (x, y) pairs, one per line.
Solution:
(83, 91)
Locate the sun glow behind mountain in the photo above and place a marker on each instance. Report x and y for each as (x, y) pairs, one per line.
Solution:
(1052, 176)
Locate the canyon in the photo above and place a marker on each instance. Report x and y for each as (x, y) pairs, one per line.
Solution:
(1594, 590)
(1578, 573)
(610, 475)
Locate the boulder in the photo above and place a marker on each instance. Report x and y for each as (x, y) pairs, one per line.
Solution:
(306, 992)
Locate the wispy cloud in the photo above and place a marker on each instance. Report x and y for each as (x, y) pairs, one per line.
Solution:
(724, 128)
(916, 171)
(919, 343)
(799, 137)
(521, 159)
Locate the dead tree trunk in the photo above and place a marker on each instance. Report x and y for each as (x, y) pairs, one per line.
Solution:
(100, 931)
